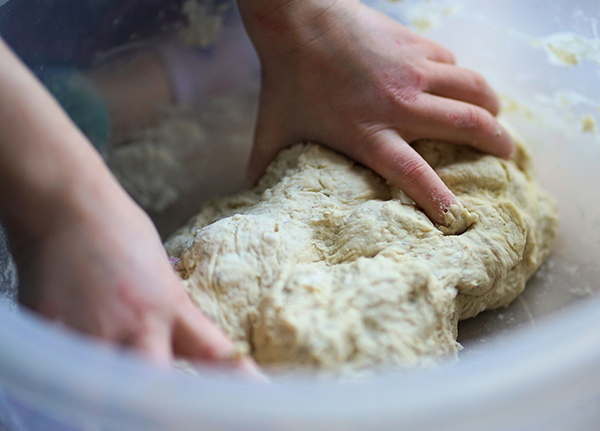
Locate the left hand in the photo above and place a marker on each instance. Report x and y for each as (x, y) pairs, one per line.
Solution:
(99, 267)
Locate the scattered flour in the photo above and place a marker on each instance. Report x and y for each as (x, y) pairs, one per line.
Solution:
(569, 49)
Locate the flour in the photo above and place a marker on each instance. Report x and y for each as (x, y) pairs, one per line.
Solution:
(204, 22)
(324, 265)
(170, 169)
(569, 49)
(151, 165)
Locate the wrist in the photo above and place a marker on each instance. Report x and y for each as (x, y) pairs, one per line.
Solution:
(46, 164)
(278, 27)
(54, 197)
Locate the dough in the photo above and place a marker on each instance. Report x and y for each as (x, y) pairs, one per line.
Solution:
(324, 265)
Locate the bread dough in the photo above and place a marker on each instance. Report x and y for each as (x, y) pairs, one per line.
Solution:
(325, 265)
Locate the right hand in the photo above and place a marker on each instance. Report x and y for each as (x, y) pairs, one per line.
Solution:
(347, 76)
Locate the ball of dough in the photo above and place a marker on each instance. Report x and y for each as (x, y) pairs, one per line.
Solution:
(325, 265)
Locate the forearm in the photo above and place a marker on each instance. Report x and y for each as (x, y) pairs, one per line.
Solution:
(44, 160)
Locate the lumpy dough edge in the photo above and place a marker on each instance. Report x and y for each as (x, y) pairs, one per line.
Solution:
(324, 265)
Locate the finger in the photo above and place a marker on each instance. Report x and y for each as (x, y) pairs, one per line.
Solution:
(401, 165)
(439, 53)
(269, 139)
(155, 342)
(196, 337)
(262, 154)
(249, 368)
(461, 84)
(459, 122)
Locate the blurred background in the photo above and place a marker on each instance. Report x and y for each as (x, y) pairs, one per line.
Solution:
(167, 92)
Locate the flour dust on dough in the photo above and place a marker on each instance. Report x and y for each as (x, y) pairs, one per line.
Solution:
(326, 266)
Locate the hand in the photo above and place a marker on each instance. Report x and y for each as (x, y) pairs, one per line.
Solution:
(87, 256)
(101, 269)
(357, 81)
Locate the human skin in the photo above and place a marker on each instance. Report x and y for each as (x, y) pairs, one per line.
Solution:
(334, 72)
(87, 255)
(344, 75)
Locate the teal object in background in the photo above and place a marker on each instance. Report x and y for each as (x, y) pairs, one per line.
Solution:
(82, 101)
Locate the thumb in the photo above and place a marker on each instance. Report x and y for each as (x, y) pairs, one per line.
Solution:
(270, 137)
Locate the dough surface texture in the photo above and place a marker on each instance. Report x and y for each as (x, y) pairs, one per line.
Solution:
(324, 265)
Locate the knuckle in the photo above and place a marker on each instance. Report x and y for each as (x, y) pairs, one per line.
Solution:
(471, 119)
(412, 171)
(403, 88)
(369, 152)
(419, 76)
(132, 330)
(397, 93)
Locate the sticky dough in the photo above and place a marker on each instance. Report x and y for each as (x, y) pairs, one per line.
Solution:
(325, 265)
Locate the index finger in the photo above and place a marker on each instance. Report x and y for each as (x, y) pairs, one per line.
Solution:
(392, 158)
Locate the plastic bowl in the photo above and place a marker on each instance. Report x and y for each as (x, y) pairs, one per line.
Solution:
(532, 366)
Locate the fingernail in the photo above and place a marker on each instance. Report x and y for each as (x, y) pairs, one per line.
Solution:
(500, 132)
(251, 370)
(240, 359)
(444, 205)
(457, 219)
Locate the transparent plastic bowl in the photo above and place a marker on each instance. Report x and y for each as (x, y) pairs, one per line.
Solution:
(532, 366)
